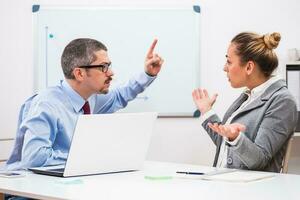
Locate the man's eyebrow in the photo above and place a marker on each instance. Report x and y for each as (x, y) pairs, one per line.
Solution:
(105, 63)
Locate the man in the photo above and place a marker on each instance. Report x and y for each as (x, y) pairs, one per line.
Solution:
(47, 120)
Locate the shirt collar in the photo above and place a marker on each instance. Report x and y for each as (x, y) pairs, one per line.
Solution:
(259, 90)
(76, 100)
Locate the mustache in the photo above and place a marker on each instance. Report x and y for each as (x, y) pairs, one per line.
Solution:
(108, 79)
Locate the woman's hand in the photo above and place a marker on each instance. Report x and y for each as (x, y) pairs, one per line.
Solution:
(202, 100)
(231, 131)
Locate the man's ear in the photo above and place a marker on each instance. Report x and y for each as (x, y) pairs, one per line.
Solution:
(78, 73)
(250, 67)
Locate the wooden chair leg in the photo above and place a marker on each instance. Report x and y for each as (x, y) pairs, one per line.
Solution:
(1, 196)
(286, 158)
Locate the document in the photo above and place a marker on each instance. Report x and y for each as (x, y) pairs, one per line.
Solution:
(238, 176)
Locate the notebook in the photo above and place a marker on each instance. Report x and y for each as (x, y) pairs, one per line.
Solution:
(225, 174)
(239, 176)
(106, 143)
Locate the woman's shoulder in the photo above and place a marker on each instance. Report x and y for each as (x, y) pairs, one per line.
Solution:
(282, 94)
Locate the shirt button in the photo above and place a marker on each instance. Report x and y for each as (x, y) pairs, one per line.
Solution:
(229, 160)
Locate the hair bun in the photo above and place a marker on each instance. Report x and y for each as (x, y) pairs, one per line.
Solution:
(272, 40)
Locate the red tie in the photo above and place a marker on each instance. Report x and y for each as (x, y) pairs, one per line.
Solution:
(86, 108)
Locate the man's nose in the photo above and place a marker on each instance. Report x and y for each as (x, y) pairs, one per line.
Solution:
(110, 72)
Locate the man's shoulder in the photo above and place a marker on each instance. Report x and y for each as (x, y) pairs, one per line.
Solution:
(51, 95)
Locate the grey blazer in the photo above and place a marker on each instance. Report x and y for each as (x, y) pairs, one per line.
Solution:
(270, 121)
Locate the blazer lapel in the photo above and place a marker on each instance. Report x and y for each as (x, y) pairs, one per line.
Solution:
(256, 103)
(264, 97)
(236, 104)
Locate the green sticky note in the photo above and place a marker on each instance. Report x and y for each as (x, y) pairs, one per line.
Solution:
(70, 182)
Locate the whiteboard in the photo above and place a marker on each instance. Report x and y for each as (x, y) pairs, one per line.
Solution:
(128, 34)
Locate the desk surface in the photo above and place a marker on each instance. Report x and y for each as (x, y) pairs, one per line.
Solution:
(133, 185)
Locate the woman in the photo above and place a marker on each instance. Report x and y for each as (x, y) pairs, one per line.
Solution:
(255, 129)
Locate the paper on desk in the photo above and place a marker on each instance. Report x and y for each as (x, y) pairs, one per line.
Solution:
(238, 176)
(206, 173)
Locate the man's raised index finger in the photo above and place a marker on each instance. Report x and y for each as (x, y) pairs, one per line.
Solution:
(150, 52)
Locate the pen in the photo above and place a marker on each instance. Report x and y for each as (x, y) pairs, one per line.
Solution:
(191, 173)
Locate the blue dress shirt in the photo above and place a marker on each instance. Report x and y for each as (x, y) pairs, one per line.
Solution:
(47, 121)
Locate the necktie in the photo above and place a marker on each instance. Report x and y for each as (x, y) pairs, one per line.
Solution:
(86, 108)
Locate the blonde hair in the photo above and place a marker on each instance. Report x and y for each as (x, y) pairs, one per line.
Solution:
(258, 48)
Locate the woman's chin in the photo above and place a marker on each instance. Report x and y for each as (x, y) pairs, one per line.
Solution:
(233, 85)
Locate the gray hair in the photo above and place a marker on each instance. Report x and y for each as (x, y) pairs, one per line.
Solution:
(79, 52)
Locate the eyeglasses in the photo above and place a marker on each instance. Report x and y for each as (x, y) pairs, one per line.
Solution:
(102, 67)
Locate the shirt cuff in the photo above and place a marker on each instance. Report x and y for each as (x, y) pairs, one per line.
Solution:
(206, 115)
(235, 141)
(144, 79)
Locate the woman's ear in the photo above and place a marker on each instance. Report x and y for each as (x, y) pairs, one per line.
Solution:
(250, 67)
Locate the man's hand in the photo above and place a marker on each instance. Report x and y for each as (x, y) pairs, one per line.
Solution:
(153, 61)
(231, 131)
(202, 100)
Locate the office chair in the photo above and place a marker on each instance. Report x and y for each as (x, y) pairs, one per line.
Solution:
(284, 167)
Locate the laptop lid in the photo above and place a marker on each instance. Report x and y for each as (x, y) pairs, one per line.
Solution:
(106, 143)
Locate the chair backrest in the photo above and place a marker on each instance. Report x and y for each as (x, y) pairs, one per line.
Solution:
(284, 168)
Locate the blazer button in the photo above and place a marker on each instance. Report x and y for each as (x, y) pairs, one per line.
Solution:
(229, 160)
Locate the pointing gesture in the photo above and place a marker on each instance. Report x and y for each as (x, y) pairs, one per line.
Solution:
(153, 61)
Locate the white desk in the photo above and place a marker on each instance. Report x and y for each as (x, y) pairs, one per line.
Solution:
(134, 186)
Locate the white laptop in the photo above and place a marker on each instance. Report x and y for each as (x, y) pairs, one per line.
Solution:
(106, 143)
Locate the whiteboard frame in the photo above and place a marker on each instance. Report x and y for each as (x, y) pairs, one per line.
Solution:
(38, 76)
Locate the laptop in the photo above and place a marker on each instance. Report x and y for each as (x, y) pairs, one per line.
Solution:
(106, 143)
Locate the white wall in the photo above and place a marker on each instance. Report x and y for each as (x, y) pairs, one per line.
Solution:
(180, 140)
